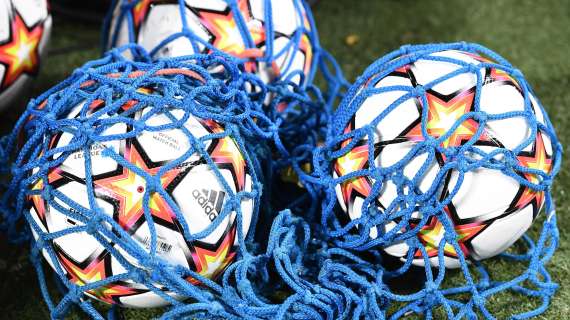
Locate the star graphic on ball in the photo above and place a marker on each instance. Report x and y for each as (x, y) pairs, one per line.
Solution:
(129, 188)
(20, 54)
(93, 270)
(354, 160)
(443, 115)
(537, 159)
(210, 260)
(226, 35)
(226, 154)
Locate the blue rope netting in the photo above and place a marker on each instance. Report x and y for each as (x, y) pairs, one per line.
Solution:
(266, 43)
(305, 266)
(413, 207)
(204, 86)
(302, 125)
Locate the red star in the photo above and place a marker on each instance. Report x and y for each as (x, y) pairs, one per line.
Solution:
(226, 34)
(211, 260)
(20, 55)
(128, 189)
(536, 159)
(96, 270)
(442, 115)
(227, 155)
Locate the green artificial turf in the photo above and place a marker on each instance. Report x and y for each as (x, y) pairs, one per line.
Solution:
(533, 35)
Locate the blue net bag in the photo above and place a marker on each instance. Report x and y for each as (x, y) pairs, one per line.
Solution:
(439, 157)
(296, 265)
(97, 162)
(275, 40)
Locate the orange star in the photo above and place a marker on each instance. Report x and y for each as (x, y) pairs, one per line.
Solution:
(140, 11)
(93, 271)
(211, 260)
(37, 201)
(500, 75)
(536, 159)
(20, 55)
(129, 188)
(442, 115)
(306, 47)
(433, 232)
(356, 159)
(226, 35)
(227, 155)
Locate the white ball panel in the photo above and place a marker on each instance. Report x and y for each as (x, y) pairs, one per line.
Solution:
(399, 249)
(287, 61)
(193, 203)
(170, 144)
(284, 14)
(484, 194)
(75, 162)
(426, 71)
(161, 22)
(355, 211)
(497, 99)
(170, 245)
(394, 122)
(246, 208)
(147, 299)
(548, 147)
(80, 245)
(31, 11)
(5, 10)
(502, 233)
(122, 35)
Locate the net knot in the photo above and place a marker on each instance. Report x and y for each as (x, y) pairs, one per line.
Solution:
(462, 164)
(478, 300)
(308, 297)
(75, 293)
(480, 117)
(418, 91)
(517, 74)
(137, 275)
(95, 222)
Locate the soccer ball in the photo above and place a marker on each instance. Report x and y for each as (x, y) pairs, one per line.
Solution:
(490, 209)
(25, 27)
(159, 26)
(121, 191)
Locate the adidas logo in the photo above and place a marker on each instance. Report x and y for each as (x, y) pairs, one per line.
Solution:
(211, 201)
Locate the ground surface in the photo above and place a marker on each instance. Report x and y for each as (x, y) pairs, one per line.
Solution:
(532, 35)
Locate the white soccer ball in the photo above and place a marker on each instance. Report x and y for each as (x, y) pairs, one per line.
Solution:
(25, 27)
(491, 210)
(158, 27)
(120, 192)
